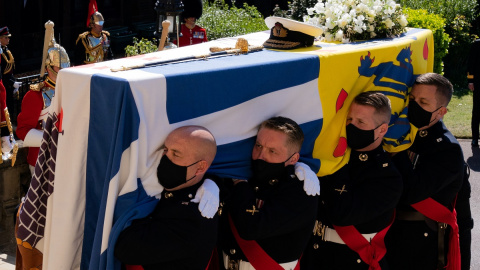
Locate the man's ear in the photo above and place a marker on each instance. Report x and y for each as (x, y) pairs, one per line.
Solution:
(294, 159)
(202, 168)
(442, 111)
(383, 129)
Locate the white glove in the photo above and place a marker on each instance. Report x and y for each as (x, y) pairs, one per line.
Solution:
(208, 196)
(17, 85)
(311, 183)
(6, 144)
(33, 138)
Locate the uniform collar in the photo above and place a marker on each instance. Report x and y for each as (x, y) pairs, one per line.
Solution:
(184, 194)
(95, 35)
(49, 82)
(364, 156)
(268, 184)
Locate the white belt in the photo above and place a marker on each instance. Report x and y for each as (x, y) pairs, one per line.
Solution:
(243, 265)
(332, 236)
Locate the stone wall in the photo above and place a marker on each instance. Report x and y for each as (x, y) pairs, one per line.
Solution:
(14, 182)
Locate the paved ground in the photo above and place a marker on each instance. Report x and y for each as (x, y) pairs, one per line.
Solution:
(472, 156)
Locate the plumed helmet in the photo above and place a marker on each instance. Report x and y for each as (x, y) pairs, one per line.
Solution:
(192, 8)
(57, 56)
(96, 18)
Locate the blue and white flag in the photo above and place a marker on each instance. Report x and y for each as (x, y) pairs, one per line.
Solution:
(111, 127)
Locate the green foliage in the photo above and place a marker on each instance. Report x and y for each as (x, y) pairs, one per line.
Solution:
(298, 8)
(458, 15)
(420, 18)
(448, 9)
(142, 46)
(457, 57)
(220, 20)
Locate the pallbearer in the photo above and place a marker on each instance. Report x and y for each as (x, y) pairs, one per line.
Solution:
(356, 206)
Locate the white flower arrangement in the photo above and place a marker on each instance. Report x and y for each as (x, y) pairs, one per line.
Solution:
(350, 20)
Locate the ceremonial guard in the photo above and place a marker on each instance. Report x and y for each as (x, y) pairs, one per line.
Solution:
(8, 66)
(267, 221)
(94, 45)
(473, 76)
(425, 232)
(356, 206)
(30, 124)
(31, 120)
(190, 33)
(9, 146)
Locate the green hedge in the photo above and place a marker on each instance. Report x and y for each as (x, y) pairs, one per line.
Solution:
(420, 18)
(220, 20)
(458, 15)
(448, 9)
(142, 46)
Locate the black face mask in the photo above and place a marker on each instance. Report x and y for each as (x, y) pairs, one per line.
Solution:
(265, 171)
(418, 116)
(171, 175)
(359, 138)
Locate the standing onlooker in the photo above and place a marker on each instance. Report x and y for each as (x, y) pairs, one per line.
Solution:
(474, 82)
(8, 66)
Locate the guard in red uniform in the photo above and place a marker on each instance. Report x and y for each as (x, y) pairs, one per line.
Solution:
(31, 120)
(190, 33)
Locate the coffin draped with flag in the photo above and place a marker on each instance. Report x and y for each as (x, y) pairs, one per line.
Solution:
(96, 171)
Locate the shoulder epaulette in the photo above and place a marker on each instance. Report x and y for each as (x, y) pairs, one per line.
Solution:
(82, 36)
(37, 86)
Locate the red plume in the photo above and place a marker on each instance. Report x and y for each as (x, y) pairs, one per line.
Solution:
(92, 8)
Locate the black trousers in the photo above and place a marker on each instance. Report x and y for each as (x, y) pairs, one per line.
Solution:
(412, 245)
(333, 256)
(476, 111)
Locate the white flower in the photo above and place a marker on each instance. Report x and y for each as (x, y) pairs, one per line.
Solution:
(328, 37)
(342, 23)
(310, 11)
(361, 8)
(360, 19)
(358, 28)
(329, 23)
(339, 35)
(328, 13)
(319, 7)
(348, 20)
(389, 23)
(402, 20)
(353, 13)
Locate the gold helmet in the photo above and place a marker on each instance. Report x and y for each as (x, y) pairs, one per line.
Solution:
(57, 56)
(96, 18)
